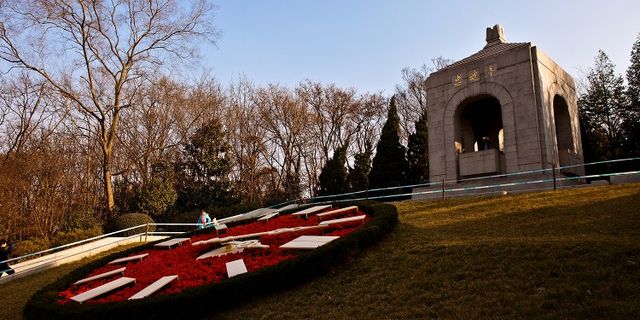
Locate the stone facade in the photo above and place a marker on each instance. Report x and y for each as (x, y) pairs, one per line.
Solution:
(534, 97)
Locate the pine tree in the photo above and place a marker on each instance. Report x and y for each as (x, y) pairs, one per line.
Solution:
(602, 110)
(418, 152)
(358, 178)
(205, 170)
(633, 78)
(333, 177)
(389, 166)
(631, 126)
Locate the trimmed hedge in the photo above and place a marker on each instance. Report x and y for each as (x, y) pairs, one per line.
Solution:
(222, 295)
(129, 220)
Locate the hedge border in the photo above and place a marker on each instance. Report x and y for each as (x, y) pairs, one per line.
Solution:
(222, 295)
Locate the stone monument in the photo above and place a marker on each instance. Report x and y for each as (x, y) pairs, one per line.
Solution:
(507, 108)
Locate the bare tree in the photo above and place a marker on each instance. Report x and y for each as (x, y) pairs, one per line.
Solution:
(26, 107)
(411, 95)
(108, 47)
(285, 122)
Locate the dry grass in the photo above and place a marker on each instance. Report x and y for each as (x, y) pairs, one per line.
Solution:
(565, 254)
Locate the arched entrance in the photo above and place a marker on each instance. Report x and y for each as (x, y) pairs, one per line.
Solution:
(479, 139)
(564, 132)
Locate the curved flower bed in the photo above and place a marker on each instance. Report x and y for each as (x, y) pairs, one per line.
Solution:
(204, 282)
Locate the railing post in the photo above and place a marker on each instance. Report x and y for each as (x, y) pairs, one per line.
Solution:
(443, 189)
(553, 170)
(146, 232)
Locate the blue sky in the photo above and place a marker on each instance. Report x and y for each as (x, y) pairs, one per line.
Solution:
(364, 44)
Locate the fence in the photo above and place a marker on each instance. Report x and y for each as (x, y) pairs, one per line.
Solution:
(438, 188)
(522, 178)
(55, 256)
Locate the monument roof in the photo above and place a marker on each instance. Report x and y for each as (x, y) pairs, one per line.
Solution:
(488, 52)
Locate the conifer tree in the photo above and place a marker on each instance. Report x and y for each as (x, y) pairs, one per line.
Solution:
(333, 177)
(204, 180)
(359, 175)
(389, 166)
(418, 152)
(631, 126)
(602, 110)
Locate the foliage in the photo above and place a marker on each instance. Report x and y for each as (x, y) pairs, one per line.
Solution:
(227, 293)
(333, 178)
(631, 125)
(389, 166)
(602, 111)
(156, 198)
(60, 238)
(358, 178)
(203, 179)
(74, 235)
(129, 220)
(31, 246)
(418, 152)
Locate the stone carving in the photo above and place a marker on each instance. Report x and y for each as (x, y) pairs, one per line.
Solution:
(495, 36)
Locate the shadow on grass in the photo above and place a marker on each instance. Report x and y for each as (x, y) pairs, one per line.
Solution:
(617, 220)
(560, 261)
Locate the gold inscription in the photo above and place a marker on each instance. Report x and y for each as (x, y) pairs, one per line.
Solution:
(457, 80)
(474, 75)
(491, 70)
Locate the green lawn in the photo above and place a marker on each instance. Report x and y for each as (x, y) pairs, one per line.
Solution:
(565, 254)
(16, 293)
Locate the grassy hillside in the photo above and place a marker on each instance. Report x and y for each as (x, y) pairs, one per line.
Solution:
(565, 254)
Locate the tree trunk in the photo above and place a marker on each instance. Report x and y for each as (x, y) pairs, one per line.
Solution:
(108, 185)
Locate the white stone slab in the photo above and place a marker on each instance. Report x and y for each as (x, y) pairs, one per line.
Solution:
(172, 242)
(308, 242)
(100, 276)
(288, 207)
(152, 288)
(235, 268)
(132, 258)
(306, 212)
(107, 287)
(268, 216)
(348, 219)
(220, 252)
(220, 227)
(337, 212)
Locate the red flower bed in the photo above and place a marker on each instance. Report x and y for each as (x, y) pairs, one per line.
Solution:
(181, 261)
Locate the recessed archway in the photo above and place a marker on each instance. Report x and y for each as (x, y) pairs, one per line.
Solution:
(479, 136)
(564, 132)
(479, 125)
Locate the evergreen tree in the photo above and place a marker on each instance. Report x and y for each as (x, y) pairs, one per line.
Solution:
(333, 178)
(389, 166)
(602, 110)
(631, 126)
(359, 175)
(418, 152)
(204, 181)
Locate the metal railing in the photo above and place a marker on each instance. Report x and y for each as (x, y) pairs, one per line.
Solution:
(444, 186)
(439, 187)
(42, 258)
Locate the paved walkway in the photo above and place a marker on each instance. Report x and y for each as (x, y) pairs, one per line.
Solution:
(72, 254)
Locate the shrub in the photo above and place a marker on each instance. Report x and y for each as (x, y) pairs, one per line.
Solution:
(129, 220)
(31, 246)
(227, 293)
(156, 198)
(74, 235)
